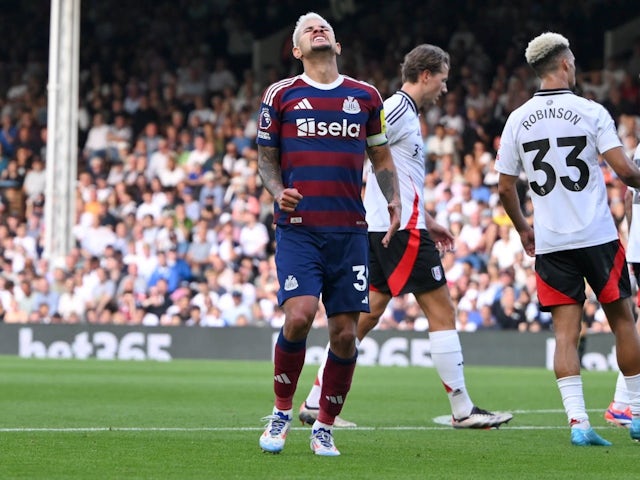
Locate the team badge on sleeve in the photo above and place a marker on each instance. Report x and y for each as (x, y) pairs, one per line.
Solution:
(436, 273)
(265, 119)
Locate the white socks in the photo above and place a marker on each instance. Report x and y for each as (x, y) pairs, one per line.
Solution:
(446, 353)
(621, 395)
(573, 401)
(633, 393)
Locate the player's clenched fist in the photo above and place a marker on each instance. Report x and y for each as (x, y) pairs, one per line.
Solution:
(288, 200)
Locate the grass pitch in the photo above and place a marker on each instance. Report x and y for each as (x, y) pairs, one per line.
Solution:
(67, 419)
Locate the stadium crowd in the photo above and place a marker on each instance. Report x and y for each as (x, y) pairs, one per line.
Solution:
(173, 226)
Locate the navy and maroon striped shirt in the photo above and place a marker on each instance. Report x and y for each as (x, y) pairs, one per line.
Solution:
(322, 131)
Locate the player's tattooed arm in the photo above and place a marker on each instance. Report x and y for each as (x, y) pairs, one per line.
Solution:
(385, 172)
(271, 175)
(269, 169)
(387, 178)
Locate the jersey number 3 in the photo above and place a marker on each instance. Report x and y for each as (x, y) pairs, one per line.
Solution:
(542, 147)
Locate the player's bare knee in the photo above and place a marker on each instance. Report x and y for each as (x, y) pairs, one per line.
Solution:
(343, 343)
(299, 321)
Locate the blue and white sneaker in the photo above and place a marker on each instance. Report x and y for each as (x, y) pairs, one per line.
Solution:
(322, 443)
(634, 429)
(585, 437)
(275, 433)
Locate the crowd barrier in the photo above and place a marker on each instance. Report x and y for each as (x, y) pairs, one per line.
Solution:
(383, 348)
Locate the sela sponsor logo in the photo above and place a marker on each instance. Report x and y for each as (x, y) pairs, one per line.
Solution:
(308, 127)
(351, 105)
(291, 283)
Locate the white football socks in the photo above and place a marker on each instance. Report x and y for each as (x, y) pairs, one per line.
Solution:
(446, 353)
(573, 401)
(633, 392)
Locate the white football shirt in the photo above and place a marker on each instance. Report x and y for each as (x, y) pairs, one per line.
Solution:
(407, 149)
(633, 243)
(555, 137)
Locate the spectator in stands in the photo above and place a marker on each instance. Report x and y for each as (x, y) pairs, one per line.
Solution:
(166, 235)
(156, 303)
(504, 250)
(198, 154)
(202, 110)
(158, 160)
(221, 77)
(616, 105)
(119, 137)
(34, 180)
(508, 315)
(97, 143)
(95, 237)
(133, 281)
(25, 297)
(212, 189)
(171, 268)
(212, 317)
(45, 296)
(4, 158)
(12, 178)
(439, 144)
(13, 314)
(8, 134)
(103, 292)
(121, 90)
(148, 207)
(191, 205)
(200, 249)
(254, 238)
(237, 314)
(150, 136)
(71, 300)
(179, 312)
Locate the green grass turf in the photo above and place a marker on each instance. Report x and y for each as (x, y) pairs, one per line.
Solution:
(67, 419)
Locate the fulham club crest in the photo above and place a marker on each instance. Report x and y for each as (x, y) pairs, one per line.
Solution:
(436, 273)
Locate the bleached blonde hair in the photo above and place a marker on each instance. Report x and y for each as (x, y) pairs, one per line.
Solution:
(297, 31)
(545, 46)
